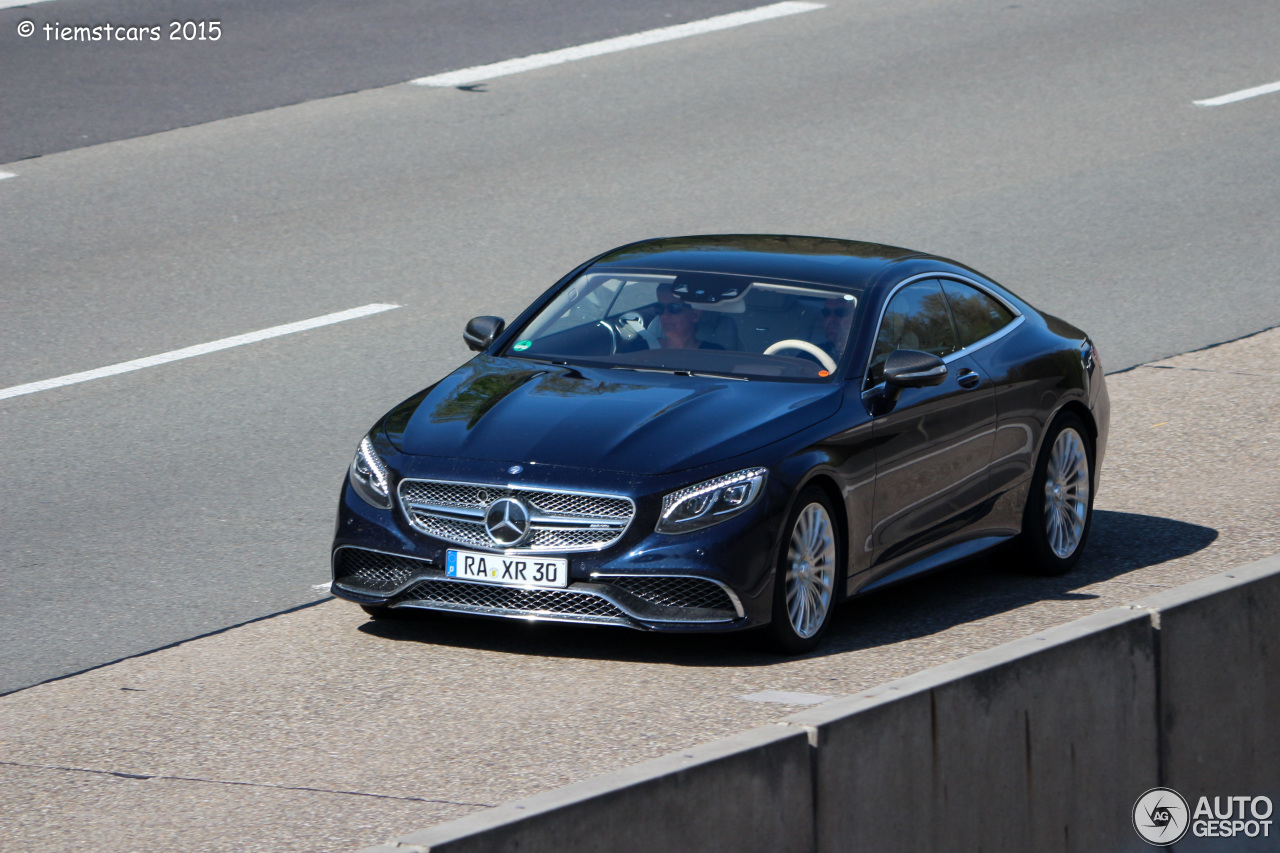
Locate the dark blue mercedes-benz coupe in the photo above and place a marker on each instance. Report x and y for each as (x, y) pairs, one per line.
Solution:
(726, 432)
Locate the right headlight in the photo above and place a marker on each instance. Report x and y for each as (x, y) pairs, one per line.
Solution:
(711, 502)
(369, 476)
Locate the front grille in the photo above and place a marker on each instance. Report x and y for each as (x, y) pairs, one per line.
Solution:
(561, 521)
(676, 592)
(374, 571)
(512, 600)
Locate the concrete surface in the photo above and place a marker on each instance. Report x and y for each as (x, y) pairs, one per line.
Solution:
(390, 729)
(1034, 745)
(751, 791)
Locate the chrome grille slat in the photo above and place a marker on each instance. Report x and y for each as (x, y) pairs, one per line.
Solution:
(562, 521)
(570, 540)
(578, 506)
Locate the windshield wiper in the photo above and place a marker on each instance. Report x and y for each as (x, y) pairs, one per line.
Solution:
(721, 375)
(678, 371)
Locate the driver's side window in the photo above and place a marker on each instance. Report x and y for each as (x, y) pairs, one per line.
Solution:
(917, 318)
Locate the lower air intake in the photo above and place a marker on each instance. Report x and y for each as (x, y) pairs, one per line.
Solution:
(512, 601)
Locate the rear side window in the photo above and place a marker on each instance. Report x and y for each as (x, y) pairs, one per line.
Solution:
(977, 314)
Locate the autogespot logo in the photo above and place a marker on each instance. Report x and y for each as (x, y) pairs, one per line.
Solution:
(1160, 816)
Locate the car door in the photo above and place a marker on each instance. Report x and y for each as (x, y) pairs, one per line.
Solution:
(933, 444)
(984, 324)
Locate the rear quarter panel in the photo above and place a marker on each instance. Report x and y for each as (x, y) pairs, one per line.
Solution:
(1036, 371)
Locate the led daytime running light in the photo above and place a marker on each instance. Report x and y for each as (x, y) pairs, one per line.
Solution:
(710, 492)
(380, 481)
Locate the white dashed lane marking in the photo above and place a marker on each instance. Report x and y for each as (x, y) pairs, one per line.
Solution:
(480, 73)
(198, 349)
(1242, 95)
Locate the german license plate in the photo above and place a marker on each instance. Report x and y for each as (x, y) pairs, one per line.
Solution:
(507, 571)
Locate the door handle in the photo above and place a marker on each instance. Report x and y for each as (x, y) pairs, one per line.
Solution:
(968, 378)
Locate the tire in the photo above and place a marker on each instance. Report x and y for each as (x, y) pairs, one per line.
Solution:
(1059, 511)
(810, 565)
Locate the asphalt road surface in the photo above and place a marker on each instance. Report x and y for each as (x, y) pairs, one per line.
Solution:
(195, 62)
(1054, 146)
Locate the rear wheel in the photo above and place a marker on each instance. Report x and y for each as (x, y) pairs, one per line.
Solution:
(1055, 524)
(808, 567)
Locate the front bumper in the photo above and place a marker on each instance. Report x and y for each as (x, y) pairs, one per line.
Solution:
(716, 579)
(654, 602)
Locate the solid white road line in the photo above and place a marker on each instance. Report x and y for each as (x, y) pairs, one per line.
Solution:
(199, 349)
(1243, 94)
(4, 175)
(480, 73)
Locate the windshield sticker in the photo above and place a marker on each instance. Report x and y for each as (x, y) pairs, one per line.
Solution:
(522, 346)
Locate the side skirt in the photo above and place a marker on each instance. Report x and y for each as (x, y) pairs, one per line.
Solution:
(946, 556)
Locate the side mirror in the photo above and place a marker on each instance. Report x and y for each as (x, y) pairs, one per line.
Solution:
(481, 331)
(907, 368)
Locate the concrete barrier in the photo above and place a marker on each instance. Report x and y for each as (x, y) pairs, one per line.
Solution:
(1040, 744)
(1219, 677)
(751, 791)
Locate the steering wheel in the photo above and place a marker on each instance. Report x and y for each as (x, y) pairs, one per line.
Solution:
(628, 333)
(613, 335)
(804, 346)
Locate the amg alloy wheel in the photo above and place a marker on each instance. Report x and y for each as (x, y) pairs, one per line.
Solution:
(808, 569)
(1060, 503)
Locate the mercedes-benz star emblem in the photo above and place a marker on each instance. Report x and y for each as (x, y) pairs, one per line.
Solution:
(507, 522)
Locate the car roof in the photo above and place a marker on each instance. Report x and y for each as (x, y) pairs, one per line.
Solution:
(820, 260)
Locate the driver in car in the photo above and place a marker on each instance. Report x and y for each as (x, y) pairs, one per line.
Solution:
(837, 317)
(679, 322)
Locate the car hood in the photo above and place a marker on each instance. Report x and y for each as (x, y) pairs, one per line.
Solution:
(639, 422)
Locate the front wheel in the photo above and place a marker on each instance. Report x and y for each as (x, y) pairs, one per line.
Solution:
(1055, 524)
(808, 569)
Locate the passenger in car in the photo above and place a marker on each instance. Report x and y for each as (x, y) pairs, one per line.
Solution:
(837, 317)
(679, 321)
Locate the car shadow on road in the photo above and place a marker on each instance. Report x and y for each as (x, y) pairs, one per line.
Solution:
(1119, 542)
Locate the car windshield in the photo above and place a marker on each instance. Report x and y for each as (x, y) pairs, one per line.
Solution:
(727, 325)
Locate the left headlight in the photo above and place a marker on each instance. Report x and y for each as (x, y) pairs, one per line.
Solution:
(369, 476)
(711, 502)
